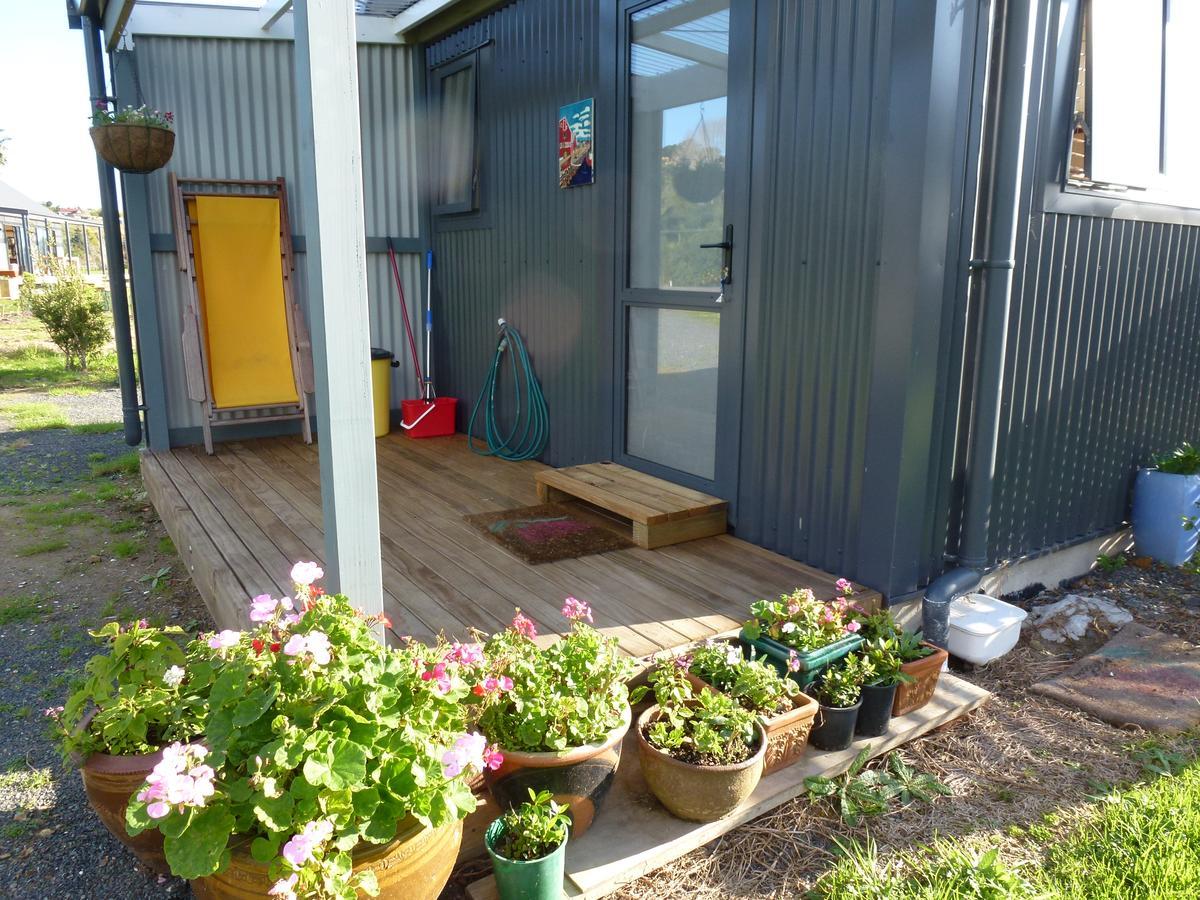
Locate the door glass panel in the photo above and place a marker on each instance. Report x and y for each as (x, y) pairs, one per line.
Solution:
(671, 388)
(678, 81)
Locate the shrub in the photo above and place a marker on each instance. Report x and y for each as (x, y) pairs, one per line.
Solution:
(535, 829)
(1184, 461)
(72, 311)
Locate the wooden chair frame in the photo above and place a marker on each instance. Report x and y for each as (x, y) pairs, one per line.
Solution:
(194, 337)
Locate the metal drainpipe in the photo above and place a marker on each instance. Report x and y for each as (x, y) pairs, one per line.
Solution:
(112, 247)
(998, 214)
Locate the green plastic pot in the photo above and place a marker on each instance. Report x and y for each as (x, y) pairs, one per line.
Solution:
(518, 879)
(812, 663)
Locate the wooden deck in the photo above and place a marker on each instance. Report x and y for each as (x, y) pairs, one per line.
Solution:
(240, 519)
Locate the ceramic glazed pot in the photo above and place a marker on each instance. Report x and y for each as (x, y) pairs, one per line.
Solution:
(913, 696)
(415, 866)
(110, 782)
(834, 729)
(519, 879)
(811, 663)
(136, 149)
(787, 732)
(579, 777)
(876, 710)
(1161, 502)
(698, 793)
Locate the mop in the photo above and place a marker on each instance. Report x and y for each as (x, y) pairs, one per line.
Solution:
(429, 415)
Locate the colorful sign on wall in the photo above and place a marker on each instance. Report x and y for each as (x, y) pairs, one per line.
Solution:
(575, 159)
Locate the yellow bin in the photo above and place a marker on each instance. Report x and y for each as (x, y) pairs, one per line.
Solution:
(382, 362)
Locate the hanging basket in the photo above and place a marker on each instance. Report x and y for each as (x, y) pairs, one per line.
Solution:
(135, 149)
(701, 183)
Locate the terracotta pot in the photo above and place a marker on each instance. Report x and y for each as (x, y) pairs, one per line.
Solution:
(787, 732)
(415, 866)
(579, 778)
(910, 697)
(136, 149)
(110, 782)
(698, 793)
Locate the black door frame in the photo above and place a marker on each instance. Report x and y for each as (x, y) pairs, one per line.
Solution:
(739, 123)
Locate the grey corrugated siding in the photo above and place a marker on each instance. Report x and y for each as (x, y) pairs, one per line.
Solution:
(1103, 372)
(234, 105)
(809, 334)
(534, 261)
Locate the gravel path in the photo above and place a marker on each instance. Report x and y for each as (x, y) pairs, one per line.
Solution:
(103, 405)
(42, 460)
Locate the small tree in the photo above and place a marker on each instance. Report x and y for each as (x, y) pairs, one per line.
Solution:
(71, 310)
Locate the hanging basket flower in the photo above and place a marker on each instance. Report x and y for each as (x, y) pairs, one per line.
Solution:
(136, 141)
(700, 183)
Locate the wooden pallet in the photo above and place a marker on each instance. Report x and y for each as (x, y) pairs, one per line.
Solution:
(661, 513)
(634, 834)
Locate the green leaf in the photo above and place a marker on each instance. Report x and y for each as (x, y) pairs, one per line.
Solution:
(252, 708)
(316, 771)
(197, 852)
(348, 764)
(264, 850)
(274, 812)
(137, 819)
(229, 686)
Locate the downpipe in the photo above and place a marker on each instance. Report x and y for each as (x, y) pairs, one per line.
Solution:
(130, 409)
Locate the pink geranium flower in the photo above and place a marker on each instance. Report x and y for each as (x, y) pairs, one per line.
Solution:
(853, 626)
(305, 573)
(285, 887)
(180, 780)
(493, 758)
(315, 644)
(465, 654)
(467, 753)
(224, 640)
(793, 661)
(299, 849)
(442, 683)
(262, 608)
(843, 586)
(576, 610)
(523, 625)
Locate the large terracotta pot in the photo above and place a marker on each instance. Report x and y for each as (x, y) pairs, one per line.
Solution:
(913, 696)
(698, 793)
(579, 777)
(415, 866)
(136, 149)
(110, 782)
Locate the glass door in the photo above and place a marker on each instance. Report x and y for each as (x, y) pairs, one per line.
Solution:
(685, 129)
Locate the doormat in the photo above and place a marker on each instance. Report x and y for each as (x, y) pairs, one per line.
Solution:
(544, 533)
(1141, 677)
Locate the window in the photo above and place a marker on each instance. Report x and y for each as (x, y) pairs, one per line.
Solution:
(95, 249)
(1134, 127)
(456, 160)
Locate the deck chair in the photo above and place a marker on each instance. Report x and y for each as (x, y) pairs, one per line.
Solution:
(246, 352)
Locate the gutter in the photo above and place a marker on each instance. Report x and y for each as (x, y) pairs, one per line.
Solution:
(995, 232)
(131, 409)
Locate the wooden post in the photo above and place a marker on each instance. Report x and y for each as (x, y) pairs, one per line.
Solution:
(335, 232)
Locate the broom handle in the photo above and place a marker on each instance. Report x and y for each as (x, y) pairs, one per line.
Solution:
(429, 325)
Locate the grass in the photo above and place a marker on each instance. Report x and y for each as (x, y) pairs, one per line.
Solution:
(41, 368)
(1139, 842)
(27, 415)
(73, 391)
(19, 608)
(126, 464)
(125, 549)
(49, 545)
(97, 428)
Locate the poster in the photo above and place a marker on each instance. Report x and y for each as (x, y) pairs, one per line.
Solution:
(575, 161)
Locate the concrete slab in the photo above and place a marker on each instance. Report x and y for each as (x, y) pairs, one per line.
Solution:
(1141, 677)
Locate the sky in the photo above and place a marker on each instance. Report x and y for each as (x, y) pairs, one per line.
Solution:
(44, 106)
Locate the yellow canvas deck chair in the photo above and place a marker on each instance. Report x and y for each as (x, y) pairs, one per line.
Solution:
(246, 352)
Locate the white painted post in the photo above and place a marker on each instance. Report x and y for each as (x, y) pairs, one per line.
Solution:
(335, 253)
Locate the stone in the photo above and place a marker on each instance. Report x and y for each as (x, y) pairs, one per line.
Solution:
(1075, 615)
(1141, 677)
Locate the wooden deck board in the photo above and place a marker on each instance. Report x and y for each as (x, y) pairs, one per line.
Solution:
(633, 834)
(243, 516)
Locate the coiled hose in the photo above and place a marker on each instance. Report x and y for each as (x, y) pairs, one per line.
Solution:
(531, 418)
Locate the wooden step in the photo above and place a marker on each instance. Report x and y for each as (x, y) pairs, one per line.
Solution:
(661, 513)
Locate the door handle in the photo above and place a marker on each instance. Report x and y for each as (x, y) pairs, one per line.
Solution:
(726, 248)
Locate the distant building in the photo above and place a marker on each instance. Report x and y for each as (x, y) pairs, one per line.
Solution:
(35, 235)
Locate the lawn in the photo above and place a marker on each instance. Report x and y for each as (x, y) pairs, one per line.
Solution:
(29, 360)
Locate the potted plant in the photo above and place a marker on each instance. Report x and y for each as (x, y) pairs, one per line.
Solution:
(528, 847)
(135, 141)
(131, 701)
(330, 763)
(840, 696)
(557, 713)
(922, 662)
(802, 635)
(785, 712)
(883, 673)
(1166, 504)
(701, 752)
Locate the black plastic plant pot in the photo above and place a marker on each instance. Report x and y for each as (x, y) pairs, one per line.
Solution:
(876, 711)
(834, 728)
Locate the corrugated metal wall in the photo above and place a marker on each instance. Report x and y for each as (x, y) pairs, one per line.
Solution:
(234, 105)
(814, 287)
(536, 255)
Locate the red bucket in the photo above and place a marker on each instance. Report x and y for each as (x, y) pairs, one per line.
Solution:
(422, 419)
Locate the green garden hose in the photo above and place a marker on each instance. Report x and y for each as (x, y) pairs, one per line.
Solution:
(531, 419)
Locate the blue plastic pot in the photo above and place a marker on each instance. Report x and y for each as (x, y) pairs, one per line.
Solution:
(1161, 502)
